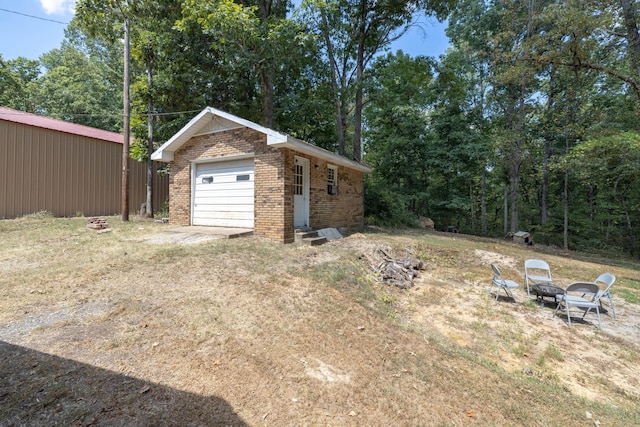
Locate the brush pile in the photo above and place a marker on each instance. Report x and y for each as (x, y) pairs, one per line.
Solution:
(399, 272)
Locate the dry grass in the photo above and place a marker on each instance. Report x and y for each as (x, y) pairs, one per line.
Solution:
(106, 329)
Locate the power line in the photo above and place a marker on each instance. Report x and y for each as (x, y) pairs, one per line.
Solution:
(33, 16)
(176, 113)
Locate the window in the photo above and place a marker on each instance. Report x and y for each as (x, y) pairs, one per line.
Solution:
(207, 179)
(298, 181)
(243, 177)
(332, 180)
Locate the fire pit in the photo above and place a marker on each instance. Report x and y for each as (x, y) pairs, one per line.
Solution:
(541, 291)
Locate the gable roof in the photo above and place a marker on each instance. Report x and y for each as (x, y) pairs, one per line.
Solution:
(212, 120)
(15, 116)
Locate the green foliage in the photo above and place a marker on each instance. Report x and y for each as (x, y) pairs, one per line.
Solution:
(608, 168)
(529, 94)
(18, 79)
(79, 89)
(385, 207)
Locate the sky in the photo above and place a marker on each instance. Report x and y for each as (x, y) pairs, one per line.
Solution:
(30, 37)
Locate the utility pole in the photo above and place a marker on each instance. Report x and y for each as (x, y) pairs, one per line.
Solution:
(127, 125)
(150, 139)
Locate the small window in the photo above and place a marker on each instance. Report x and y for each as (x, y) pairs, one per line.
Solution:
(207, 179)
(242, 177)
(298, 182)
(332, 180)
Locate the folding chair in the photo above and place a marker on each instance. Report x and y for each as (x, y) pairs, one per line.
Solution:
(608, 280)
(570, 299)
(502, 283)
(536, 272)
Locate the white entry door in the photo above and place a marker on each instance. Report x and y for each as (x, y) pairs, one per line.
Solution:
(301, 192)
(223, 194)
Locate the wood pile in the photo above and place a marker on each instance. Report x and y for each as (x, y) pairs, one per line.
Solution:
(99, 224)
(399, 272)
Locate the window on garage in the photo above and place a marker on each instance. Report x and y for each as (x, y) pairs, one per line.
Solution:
(332, 180)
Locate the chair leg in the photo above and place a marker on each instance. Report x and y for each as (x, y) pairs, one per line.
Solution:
(613, 308)
(557, 307)
(509, 294)
(597, 312)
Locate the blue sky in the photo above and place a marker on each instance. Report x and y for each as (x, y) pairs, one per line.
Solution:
(30, 37)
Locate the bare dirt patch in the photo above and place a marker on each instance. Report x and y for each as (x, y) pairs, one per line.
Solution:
(111, 330)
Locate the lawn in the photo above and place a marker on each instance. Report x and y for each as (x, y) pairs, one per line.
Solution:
(116, 329)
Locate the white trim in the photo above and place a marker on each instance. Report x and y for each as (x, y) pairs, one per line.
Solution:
(306, 191)
(321, 153)
(209, 132)
(195, 127)
(224, 158)
(193, 191)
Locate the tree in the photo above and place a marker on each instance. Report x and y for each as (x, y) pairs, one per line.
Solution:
(79, 88)
(609, 168)
(17, 83)
(254, 35)
(601, 36)
(463, 137)
(397, 138)
(353, 32)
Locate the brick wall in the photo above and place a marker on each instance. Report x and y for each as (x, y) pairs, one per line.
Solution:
(269, 181)
(273, 185)
(344, 210)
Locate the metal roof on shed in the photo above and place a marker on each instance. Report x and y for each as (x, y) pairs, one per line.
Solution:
(15, 116)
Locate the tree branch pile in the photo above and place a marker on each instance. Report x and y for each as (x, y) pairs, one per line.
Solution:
(399, 272)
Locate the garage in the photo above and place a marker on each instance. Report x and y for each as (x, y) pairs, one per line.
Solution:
(223, 194)
(227, 171)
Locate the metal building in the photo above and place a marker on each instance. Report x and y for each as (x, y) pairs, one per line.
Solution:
(66, 169)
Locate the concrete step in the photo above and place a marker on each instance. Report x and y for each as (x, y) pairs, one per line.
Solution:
(309, 237)
(314, 241)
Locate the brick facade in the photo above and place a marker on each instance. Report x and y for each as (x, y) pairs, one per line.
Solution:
(273, 174)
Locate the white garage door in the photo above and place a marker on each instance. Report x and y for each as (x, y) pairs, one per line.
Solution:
(223, 194)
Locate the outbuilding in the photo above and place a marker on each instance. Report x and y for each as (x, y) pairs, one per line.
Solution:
(66, 169)
(226, 171)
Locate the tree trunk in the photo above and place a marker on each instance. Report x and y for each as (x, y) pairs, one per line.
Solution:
(472, 212)
(506, 208)
(357, 119)
(565, 204)
(266, 80)
(544, 202)
(126, 126)
(592, 203)
(149, 207)
(337, 105)
(515, 192)
(630, 13)
(266, 70)
(483, 200)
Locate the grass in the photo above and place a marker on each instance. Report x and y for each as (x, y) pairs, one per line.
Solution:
(249, 332)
